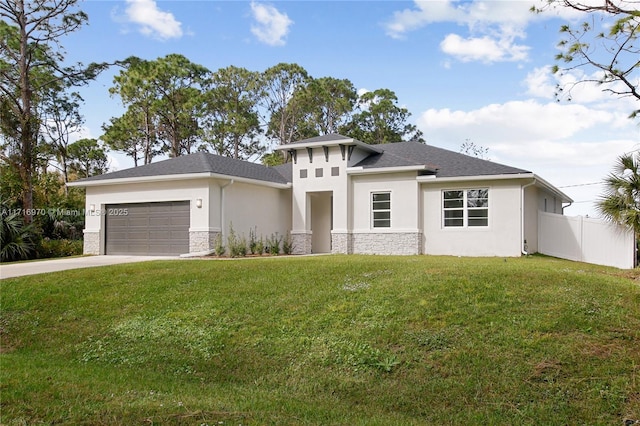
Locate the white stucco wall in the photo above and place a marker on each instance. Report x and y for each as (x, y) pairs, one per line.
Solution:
(405, 206)
(252, 207)
(531, 205)
(501, 238)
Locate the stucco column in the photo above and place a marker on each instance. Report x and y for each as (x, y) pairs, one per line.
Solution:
(301, 222)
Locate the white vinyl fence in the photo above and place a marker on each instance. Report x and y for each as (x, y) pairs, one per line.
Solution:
(585, 240)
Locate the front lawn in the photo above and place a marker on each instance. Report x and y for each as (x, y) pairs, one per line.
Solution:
(338, 340)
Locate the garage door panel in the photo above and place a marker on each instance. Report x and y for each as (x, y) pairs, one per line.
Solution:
(162, 235)
(118, 221)
(180, 221)
(159, 221)
(132, 222)
(148, 228)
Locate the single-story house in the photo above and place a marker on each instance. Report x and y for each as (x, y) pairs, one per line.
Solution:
(334, 195)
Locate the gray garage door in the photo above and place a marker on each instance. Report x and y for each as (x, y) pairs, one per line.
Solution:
(147, 228)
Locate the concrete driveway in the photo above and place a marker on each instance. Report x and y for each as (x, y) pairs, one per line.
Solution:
(54, 265)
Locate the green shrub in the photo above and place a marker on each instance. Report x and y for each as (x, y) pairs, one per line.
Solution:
(58, 248)
(237, 245)
(17, 240)
(287, 244)
(219, 248)
(273, 244)
(260, 246)
(253, 241)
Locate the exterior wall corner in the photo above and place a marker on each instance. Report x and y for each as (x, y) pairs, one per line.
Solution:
(91, 243)
(201, 241)
(301, 241)
(341, 243)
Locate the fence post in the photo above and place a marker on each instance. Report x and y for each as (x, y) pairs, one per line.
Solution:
(581, 242)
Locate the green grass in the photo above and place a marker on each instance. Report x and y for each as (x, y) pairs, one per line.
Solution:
(323, 340)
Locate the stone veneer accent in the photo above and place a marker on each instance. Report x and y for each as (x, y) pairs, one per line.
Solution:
(91, 243)
(200, 241)
(301, 242)
(404, 243)
(341, 243)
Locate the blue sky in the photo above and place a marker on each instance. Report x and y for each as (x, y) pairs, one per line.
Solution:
(477, 70)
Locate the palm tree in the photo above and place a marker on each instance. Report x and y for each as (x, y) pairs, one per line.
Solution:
(621, 202)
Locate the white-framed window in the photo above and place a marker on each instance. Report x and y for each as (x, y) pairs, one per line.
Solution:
(465, 208)
(381, 209)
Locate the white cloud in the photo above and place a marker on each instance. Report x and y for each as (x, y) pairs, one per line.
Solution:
(473, 14)
(524, 121)
(484, 49)
(493, 27)
(271, 25)
(153, 21)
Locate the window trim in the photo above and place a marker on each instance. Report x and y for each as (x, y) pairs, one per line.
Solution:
(465, 208)
(375, 210)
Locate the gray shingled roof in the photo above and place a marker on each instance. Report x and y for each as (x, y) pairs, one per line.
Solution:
(201, 162)
(448, 163)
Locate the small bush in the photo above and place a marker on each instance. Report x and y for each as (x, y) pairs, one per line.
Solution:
(237, 245)
(287, 244)
(256, 246)
(219, 248)
(260, 246)
(273, 244)
(58, 248)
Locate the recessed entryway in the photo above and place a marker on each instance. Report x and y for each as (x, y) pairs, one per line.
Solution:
(321, 221)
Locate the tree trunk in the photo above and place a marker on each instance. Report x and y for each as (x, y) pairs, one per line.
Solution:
(26, 119)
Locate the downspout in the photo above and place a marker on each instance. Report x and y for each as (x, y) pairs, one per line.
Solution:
(522, 240)
(564, 207)
(223, 228)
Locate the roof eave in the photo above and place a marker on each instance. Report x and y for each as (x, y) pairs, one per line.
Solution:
(178, 177)
(435, 179)
(336, 142)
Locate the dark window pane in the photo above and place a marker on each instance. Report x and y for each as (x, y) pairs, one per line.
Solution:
(383, 196)
(452, 204)
(479, 213)
(381, 215)
(479, 222)
(453, 222)
(453, 214)
(383, 223)
(381, 205)
(451, 195)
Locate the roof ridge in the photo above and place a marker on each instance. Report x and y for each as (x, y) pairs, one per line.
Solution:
(204, 159)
